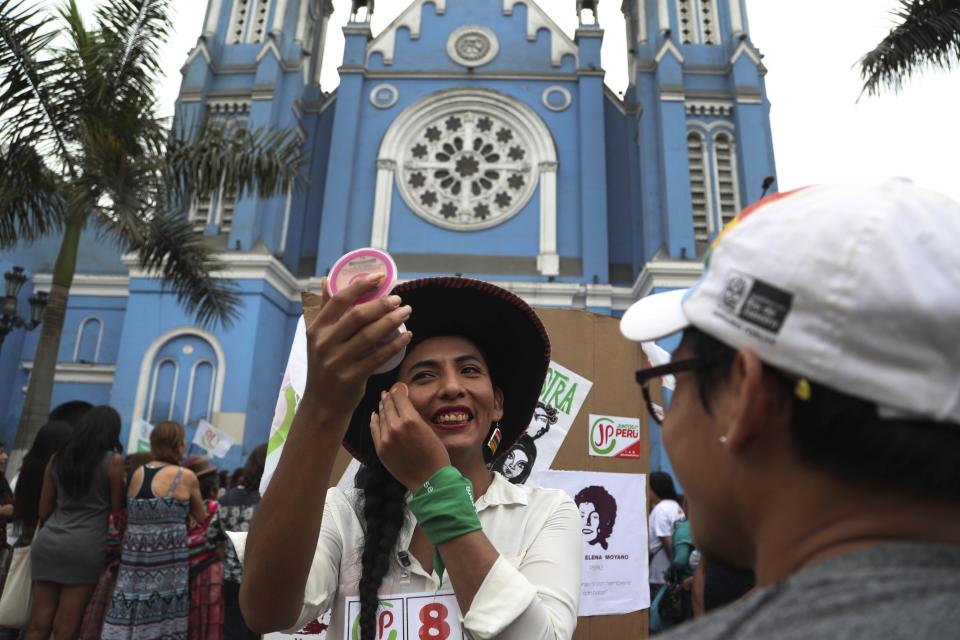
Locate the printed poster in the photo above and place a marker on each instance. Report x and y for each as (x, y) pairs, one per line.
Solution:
(409, 616)
(213, 440)
(613, 437)
(291, 390)
(144, 429)
(613, 517)
(563, 394)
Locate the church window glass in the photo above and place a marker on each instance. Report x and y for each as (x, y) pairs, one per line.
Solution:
(467, 170)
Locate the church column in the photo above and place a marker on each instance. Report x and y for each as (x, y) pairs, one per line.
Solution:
(380, 236)
(593, 161)
(548, 262)
(343, 148)
(736, 19)
(663, 15)
(213, 18)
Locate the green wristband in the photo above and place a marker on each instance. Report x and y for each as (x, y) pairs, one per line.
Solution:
(444, 509)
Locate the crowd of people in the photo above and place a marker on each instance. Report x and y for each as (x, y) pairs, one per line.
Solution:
(125, 547)
(814, 427)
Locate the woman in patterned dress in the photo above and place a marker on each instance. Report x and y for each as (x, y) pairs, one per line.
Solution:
(152, 597)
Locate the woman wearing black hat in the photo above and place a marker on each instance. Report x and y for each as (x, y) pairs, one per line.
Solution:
(467, 387)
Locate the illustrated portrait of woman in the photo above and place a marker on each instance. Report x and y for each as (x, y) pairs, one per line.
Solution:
(598, 514)
(517, 463)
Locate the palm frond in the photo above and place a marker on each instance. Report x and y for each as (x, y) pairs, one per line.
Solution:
(132, 31)
(29, 109)
(928, 35)
(31, 205)
(167, 246)
(264, 161)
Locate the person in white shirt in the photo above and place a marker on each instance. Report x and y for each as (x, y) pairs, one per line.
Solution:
(427, 514)
(664, 515)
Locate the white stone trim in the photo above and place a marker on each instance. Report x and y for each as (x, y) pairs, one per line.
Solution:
(492, 41)
(213, 17)
(193, 377)
(548, 260)
(76, 344)
(386, 43)
(77, 373)
(278, 15)
(663, 16)
(383, 197)
(666, 274)
(744, 48)
(701, 107)
(155, 375)
(88, 285)
(541, 147)
(736, 19)
(669, 47)
(395, 95)
(241, 266)
(140, 399)
(560, 44)
(567, 98)
(286, 221)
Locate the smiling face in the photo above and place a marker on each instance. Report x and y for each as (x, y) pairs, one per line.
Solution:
(451, 388)
(514, 463)
(589, 521)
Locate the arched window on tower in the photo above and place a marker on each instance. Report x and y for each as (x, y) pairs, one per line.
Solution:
(86, 349)
(699, 23)
(714, 183)
(725, 176)
(217, 208)
(699, 189)
(248, 21)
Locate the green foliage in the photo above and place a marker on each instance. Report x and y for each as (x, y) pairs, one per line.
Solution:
(80, 144)
(928, 35)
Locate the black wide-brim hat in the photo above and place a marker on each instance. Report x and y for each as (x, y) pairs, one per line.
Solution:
(505, 329)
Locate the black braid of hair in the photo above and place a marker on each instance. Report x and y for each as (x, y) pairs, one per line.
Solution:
(383, 504)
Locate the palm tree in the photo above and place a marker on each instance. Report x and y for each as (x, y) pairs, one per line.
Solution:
(81, 147)
(928, 34)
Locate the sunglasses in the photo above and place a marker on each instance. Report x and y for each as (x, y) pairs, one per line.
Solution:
(644, 376)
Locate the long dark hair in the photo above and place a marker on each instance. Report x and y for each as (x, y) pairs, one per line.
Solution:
(253, 470)
(26, 500)
(97, 433)
(383, 500)
(662, 486)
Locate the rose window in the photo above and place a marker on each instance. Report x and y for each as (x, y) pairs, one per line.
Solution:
(467, 170)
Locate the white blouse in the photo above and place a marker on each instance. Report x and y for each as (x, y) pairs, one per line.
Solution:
(532, 591)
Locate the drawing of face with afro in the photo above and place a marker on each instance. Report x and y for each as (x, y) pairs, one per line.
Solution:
(598, 513)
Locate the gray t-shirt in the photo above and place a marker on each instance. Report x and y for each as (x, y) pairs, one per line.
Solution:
(894, 591)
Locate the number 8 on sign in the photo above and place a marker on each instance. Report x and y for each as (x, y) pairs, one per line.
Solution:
(433, 620)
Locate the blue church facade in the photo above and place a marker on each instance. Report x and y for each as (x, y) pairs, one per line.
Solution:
(471, 137)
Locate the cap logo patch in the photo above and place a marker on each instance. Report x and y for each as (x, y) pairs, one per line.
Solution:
(756, 302)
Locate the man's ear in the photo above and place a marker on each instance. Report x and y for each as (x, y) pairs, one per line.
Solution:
(753, 403)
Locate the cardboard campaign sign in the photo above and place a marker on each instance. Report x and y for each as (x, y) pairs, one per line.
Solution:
(409, 616)
(614, 437)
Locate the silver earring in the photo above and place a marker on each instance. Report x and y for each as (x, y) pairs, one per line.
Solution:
(723, 439)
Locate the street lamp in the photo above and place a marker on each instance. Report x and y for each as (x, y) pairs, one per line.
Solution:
(9, 318)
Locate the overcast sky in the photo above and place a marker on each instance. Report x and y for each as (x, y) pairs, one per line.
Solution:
(820, 131)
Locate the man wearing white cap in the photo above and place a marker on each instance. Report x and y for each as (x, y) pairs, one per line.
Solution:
(815, 424)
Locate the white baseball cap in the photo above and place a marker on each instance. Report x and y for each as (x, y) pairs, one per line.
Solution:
(853, 286)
